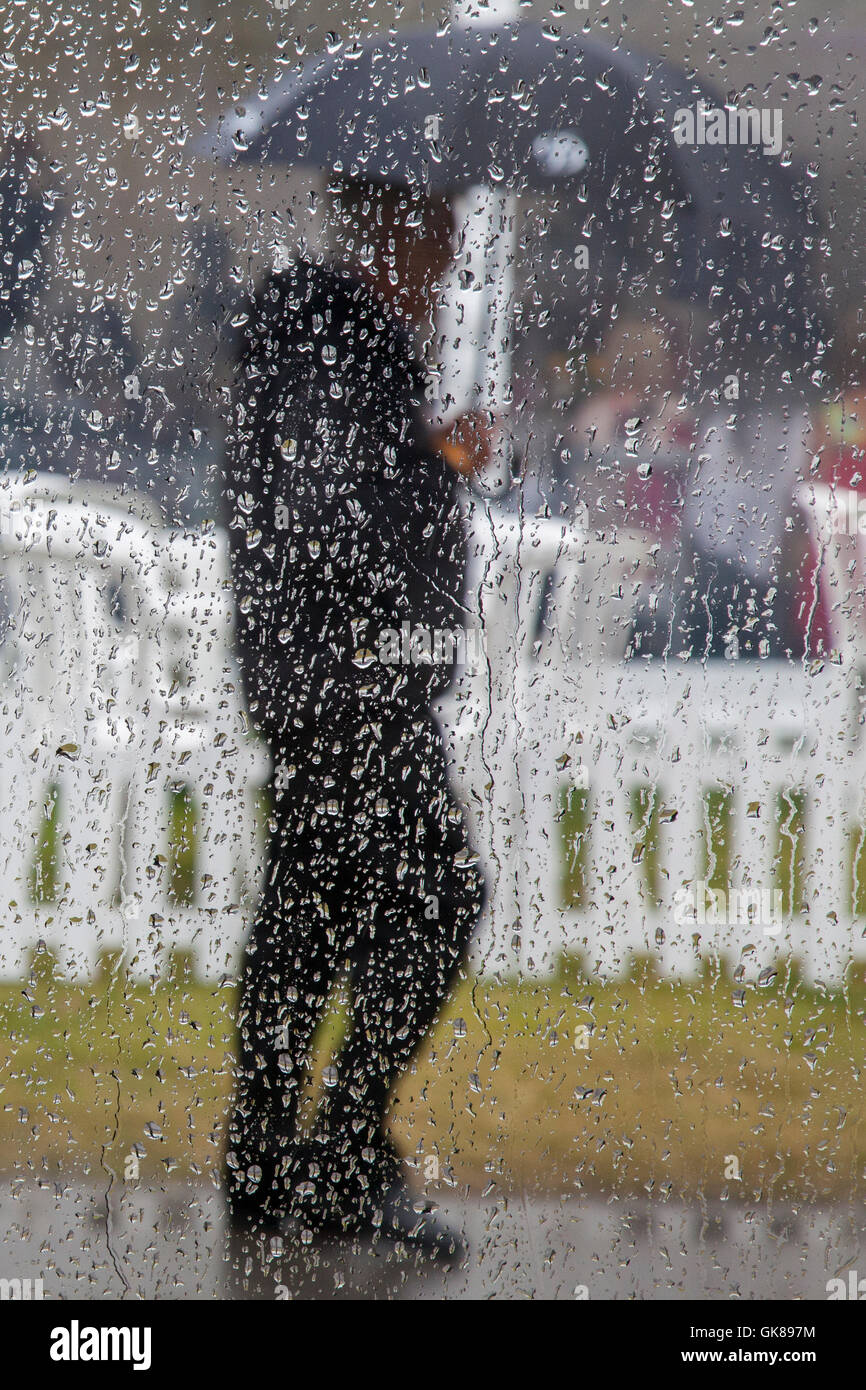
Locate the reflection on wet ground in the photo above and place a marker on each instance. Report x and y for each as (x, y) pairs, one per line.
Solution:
(173, 1244)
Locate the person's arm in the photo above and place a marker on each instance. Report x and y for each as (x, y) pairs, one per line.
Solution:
(340, 527)
(286, 523)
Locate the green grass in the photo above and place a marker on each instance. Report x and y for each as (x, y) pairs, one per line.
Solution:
(648, 818)
(182, 846)
(43, 879)
(634, 1085)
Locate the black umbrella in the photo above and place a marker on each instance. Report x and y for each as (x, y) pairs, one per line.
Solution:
(523, 106)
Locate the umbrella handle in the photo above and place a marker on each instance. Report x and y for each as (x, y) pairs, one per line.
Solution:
(474, 318)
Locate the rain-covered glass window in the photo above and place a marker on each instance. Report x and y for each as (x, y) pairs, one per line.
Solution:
(432, 517)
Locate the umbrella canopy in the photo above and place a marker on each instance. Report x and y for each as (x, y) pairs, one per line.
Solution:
(523, 106)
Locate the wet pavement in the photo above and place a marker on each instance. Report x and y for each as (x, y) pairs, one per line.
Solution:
(172, 1244)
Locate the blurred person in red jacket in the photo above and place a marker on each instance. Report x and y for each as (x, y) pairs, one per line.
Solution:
(630, 443)
(837, 446)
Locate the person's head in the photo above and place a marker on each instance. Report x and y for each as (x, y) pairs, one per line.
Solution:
(398, 239)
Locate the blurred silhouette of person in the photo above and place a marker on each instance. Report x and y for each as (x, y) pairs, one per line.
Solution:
(77, 400)
(74, 404)
(749, 460)
(202, 342)
(836, 443)
(629, 438)
(347, 527)
(29, 209)
(64, 356)
(627, 450)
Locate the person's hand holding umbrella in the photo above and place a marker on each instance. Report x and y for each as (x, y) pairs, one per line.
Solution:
(467, 443)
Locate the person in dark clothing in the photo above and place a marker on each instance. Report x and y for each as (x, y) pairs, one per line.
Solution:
(347, 526)
(29, 211)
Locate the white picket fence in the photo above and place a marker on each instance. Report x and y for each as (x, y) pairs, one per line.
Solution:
(120, 690)
(750, 775)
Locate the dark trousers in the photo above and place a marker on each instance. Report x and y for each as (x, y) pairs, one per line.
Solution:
(369, 867)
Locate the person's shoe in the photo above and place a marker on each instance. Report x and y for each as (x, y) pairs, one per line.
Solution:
(248, 1221)
(411, 1221)
(251, 1205)
(260, 1193)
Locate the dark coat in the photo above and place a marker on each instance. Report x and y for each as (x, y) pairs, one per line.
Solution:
(343, 521)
